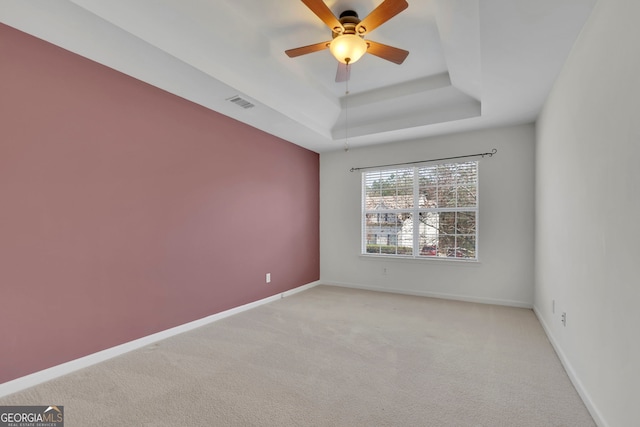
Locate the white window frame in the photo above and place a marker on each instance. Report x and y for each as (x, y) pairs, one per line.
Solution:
(458, 254)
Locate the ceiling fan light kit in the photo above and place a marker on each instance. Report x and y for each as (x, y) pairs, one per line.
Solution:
(348, 48)
(348, 44)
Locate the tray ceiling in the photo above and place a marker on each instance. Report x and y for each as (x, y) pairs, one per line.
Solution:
(472, 63)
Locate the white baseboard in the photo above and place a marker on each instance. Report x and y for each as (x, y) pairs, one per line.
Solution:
(40, 377)
(584, 395)
(481, 300)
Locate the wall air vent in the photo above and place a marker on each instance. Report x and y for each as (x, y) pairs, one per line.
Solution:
(241, 102)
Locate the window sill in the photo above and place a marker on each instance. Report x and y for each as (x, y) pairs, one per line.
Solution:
(437, 260)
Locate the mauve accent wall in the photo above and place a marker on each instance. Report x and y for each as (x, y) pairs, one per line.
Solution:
(125, 210)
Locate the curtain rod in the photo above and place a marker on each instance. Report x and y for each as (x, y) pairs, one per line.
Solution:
(494, 151)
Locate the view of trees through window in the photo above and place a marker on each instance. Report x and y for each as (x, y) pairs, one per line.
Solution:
(442, 201)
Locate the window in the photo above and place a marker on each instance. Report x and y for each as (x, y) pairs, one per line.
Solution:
(441, 199)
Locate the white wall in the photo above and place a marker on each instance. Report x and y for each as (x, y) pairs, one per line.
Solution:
(504, 274)
(588, 213)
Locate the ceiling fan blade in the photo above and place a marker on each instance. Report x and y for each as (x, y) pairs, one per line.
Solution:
(389, 53)
(292, 53)
(381, 14)
(322, 11)
(344, 72)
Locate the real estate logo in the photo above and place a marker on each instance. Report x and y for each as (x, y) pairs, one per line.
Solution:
(32, 416)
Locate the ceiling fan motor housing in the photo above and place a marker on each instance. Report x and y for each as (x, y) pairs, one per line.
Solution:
(349, 20)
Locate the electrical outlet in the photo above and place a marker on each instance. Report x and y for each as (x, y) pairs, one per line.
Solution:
(564, 319)
(384, 270)
(553, 306)
(268, 278)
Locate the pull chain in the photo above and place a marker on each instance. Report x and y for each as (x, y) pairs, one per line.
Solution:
(346, 110)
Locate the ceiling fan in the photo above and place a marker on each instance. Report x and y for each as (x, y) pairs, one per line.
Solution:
(348, 31)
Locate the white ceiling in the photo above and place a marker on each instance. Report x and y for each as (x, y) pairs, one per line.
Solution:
(472, 63)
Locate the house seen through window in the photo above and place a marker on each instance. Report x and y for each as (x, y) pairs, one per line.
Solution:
(422, 211)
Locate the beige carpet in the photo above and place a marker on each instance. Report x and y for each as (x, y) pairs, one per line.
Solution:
(332, 357)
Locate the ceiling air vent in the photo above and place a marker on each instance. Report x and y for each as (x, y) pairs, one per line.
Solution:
(241, 102)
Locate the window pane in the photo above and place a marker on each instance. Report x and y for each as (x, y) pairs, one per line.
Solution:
(428, 177)
(428, 197)
(404, 182)
(429, 233)
(373, 184)
(405, 236)
(467, 196)
(447, 222)
(466, 223)
(446, 197)
(447, 174)
(429, 224)
(446, 244)
(467, 246)
(467, 173)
